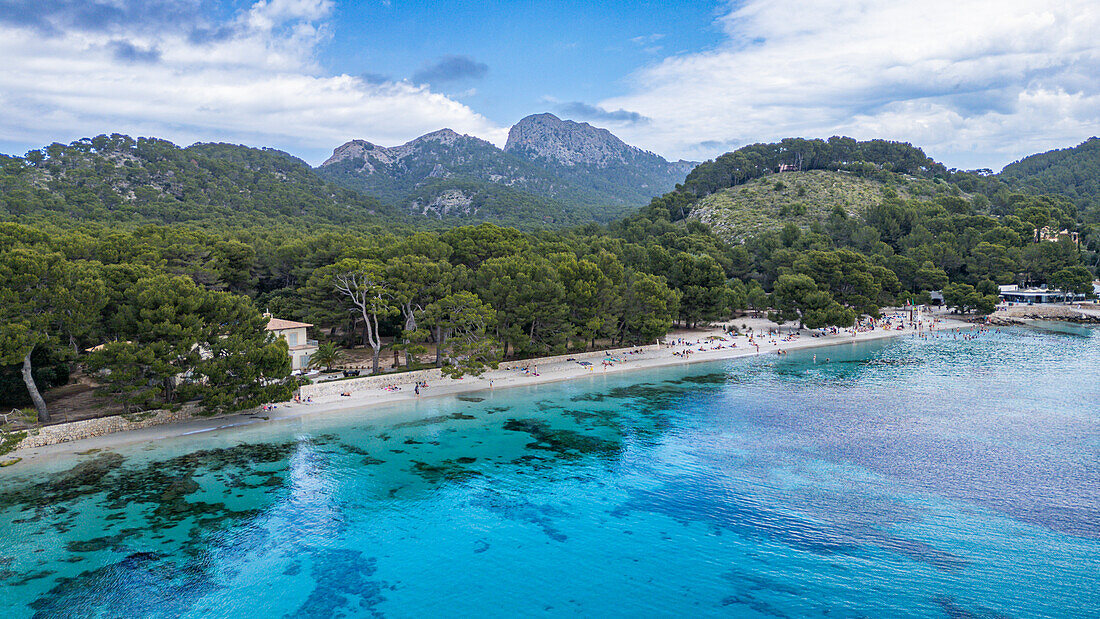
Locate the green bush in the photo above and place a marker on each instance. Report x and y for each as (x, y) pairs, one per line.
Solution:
(8, 441)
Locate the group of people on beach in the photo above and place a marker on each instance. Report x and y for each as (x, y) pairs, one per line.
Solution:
(775, 336)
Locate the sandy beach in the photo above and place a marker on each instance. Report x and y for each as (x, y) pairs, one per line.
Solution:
(703, 349)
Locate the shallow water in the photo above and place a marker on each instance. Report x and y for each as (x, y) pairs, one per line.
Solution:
(908, 478)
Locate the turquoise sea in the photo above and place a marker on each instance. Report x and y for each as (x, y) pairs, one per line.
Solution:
(909, 478)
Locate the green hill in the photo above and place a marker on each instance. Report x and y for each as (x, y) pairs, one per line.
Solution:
(802, 198)
(1071, 172)
(873, 159)
(117, 179)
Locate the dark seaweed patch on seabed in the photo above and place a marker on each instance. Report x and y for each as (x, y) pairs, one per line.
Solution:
(953, 610)
(82, 479)
(567, 444)
(428, 421)
(714, 378)
(703, 502)
(446, 470)
(345, 585)
(160, 488)
(641, 396)
(140, 585)
(518, 509)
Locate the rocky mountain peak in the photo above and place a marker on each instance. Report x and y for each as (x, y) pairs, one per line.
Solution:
(445, 136)
(362, 149)
(545, 136)
(355, 149)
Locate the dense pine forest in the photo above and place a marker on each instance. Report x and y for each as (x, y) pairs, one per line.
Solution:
(141, 262)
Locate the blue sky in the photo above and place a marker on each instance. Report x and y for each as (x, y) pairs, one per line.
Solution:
(538, 56)
(976, 83)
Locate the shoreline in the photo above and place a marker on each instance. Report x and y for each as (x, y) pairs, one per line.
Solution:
(552, 372)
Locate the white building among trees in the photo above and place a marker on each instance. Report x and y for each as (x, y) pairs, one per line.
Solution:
(295, 335)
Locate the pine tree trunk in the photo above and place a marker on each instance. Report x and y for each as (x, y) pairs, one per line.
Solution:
(410, 326)
(439, 347)
(32, 389)
(377, 353)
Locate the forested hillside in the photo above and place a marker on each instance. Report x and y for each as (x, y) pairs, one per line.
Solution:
(117, 179)
(156, 294)
(1071, 172)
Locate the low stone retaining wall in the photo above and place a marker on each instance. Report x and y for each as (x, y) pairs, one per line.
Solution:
(367, 383)
(88, 428)
(579, 356)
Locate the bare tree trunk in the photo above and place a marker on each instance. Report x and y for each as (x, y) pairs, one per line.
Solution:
(375, 343)
(28, 378)
(410, 326)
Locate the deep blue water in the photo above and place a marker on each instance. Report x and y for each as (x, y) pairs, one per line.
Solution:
(935, 478)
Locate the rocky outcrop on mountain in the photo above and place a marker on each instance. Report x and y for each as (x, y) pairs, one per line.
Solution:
(570, 143)
(554, 170)
(591, 156)
(447, 202)
(373, 155)
(396, 173)
(545, 136)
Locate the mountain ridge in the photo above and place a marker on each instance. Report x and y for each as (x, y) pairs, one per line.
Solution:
(565, 170)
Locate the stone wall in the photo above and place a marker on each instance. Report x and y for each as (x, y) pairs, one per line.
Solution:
(87, 428)
(368, 383)
(579, 356)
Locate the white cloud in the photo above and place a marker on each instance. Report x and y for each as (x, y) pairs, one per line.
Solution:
(976, 83)
(255, 81)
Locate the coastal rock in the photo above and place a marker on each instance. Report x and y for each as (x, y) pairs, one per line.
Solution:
(1017, 313)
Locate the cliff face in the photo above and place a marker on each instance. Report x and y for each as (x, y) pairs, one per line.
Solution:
(569, 143)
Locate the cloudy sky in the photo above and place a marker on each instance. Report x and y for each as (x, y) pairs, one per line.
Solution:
(974, 83)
